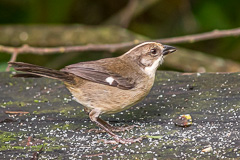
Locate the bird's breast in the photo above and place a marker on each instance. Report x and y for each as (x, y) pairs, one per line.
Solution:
(110, 99)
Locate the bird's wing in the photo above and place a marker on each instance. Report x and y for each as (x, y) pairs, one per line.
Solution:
(97, 72)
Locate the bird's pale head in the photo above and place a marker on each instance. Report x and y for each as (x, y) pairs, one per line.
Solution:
(149, 56)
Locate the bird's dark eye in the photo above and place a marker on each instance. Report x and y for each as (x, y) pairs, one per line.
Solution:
(153, 52)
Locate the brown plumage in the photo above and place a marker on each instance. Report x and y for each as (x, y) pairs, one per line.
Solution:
(108, 85)
(38, 71)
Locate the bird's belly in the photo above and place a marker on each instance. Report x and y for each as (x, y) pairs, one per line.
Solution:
(107, 99)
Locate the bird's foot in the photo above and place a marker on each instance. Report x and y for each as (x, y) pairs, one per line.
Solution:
(123, 128)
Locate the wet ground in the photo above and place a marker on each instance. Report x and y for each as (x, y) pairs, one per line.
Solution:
(40, 115)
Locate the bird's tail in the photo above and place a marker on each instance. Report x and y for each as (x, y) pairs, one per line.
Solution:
(39, 71)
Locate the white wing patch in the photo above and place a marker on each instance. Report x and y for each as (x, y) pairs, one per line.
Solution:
(110, 80)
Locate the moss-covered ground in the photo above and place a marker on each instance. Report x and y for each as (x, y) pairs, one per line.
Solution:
(58, 124)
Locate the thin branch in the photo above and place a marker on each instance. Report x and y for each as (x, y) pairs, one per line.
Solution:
(16, 112)
(42, 51)
(202, 36)
(127, 15)
(124, 17)
(133, 9)
(113, 47)
(13, 59)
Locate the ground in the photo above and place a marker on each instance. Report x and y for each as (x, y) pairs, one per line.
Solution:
(40, 115)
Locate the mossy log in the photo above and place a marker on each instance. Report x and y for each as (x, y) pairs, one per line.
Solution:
(41, 112)
(63, 35)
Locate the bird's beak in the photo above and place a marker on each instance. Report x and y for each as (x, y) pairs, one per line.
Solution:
(168, 49)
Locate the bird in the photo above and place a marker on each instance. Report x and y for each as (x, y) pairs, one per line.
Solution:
(108, 85)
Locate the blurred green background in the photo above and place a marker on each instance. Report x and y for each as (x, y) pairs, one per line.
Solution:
(121, 21)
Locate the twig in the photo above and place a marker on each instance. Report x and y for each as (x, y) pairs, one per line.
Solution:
(113, 47)
(124, 17)
(129, 11)
(42, 51)
(202, 36)
(13, 59)
(16, 112)
(133, 9)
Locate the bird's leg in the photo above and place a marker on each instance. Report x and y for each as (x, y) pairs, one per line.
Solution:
(107, 125)
(112, 128)
(94, 116)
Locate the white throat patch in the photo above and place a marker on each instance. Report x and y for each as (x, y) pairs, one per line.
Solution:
(152, 69)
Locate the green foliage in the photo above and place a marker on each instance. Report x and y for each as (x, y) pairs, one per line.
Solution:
(49, 11)
(3, 66)
(212, 15)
